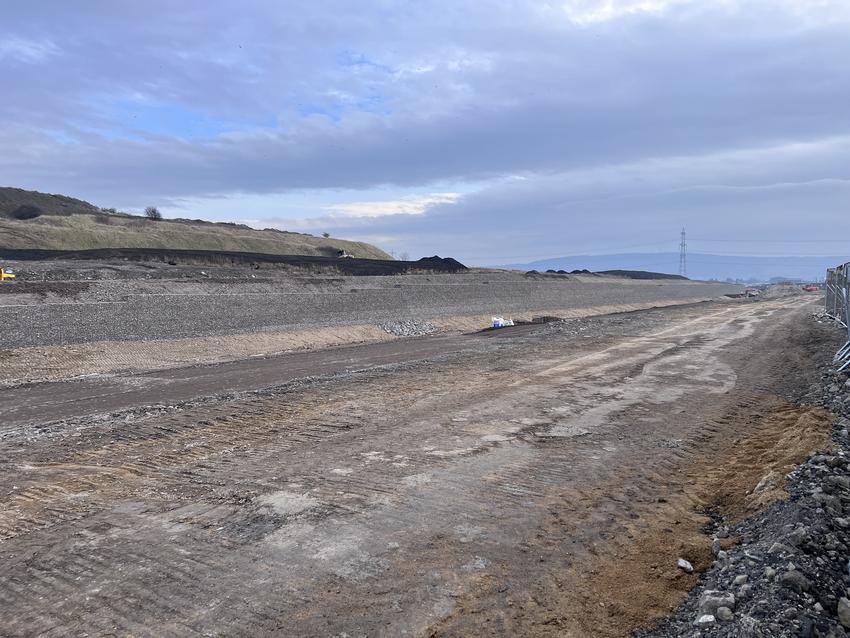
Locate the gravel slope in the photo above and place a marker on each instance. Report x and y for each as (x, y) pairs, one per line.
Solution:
(195, 302)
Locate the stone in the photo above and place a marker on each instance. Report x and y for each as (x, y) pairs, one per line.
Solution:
(834, 483)
(712, 599)
(779, 548)
(715, 546)
(769, 572)
(724, 614)
(844, 612)
(798, 537)
(749, 628)
(685, 566)
(795, 580)
(740, 579)
(705, 620)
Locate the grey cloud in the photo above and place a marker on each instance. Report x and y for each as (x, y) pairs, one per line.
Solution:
(766, 194)
(616, 125)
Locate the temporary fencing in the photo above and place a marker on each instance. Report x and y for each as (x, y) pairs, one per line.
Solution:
(838, 307)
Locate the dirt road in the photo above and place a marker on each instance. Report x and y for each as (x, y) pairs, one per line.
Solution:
(99, 394)
(540, 483)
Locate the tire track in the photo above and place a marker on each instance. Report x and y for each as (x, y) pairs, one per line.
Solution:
(409, 490)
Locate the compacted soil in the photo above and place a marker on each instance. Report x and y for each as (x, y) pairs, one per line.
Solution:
(538, 481)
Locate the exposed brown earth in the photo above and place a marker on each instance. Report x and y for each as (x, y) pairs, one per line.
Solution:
(541, 482)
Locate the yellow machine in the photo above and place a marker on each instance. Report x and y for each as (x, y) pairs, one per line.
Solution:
(5, 275)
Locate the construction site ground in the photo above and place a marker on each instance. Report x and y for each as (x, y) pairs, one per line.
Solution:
(535, 481)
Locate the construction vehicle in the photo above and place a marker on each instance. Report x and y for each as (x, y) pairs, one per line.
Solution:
(6, 274)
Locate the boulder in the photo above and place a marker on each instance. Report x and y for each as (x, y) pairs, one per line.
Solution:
(844, 612)
(724, 614)
(705, 620)
(712, 599)
(795, 580)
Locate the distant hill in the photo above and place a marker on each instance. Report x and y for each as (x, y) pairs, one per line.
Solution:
(33, 220)
(700, 265)
(21, 204)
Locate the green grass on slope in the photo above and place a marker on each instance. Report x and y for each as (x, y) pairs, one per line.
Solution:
(81, 232)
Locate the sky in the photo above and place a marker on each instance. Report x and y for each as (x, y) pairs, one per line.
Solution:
(494, 131)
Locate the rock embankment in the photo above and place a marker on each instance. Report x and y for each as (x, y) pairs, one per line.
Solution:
(210, 305)
(789, 575)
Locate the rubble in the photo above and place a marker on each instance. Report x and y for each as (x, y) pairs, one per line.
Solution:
(409, 328)
(789, 574)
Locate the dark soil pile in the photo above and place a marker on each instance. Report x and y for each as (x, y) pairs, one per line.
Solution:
(342, 265)
(640, 274)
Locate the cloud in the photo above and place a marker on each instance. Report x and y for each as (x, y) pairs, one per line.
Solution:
(565, 124)
(413, 205)
(590, 12)
(25, 50)
(587, 12)
(763, 194)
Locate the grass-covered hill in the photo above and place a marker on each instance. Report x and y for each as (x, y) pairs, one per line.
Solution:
(32, 220)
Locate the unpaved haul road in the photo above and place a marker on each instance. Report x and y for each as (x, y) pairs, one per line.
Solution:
(539, 483)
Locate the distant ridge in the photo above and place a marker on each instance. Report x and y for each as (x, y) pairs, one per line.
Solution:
(30, 220)
(700, 265)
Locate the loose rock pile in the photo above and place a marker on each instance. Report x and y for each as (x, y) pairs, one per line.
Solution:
(409, 328)
(790, 574)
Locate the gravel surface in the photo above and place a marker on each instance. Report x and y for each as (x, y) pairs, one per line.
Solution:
(789, 575)
(227, 301)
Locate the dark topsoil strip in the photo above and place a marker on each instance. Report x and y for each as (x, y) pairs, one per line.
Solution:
(344, 265)
(790, 574)
(59, 288)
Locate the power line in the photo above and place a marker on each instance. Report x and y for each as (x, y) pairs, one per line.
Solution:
(775, 241)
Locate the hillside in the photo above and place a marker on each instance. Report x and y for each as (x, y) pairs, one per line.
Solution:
(56, 222)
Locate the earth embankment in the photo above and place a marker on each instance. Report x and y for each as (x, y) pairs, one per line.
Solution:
(161, 316)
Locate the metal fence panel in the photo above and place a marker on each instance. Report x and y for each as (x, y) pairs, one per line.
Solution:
(838, 306)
